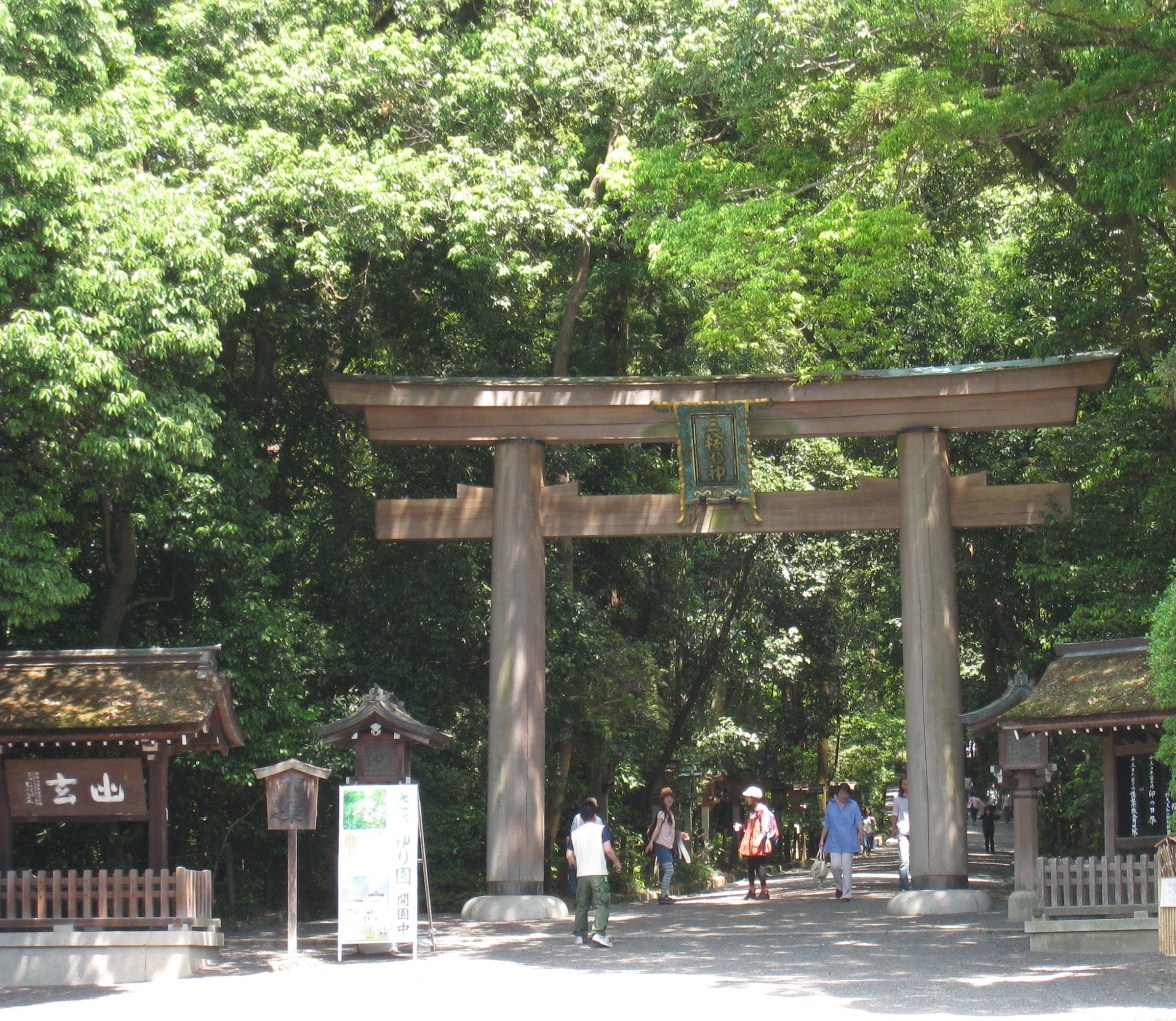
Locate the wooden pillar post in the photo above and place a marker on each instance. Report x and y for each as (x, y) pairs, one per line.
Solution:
(1023, 900)
(514, 822)
(931, 668)
(291, 893)
(1110, 803)
(5, 823)
(157, 808)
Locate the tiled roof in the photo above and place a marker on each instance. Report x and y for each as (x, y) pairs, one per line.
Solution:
(145, 693)
(1091, 683)
(383, 708)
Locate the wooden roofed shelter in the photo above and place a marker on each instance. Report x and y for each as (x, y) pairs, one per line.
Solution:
(519, 417)
(1101, 689)
(88, 734)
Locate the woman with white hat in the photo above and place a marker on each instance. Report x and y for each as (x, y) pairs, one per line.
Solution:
(759, 836)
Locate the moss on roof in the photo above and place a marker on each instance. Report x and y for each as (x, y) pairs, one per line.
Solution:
(120, 690)
(1095, 684)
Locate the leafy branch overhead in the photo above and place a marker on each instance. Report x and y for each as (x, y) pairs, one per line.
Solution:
(208, 205)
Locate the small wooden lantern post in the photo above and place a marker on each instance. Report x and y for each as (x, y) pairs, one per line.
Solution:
(382, 735)
(291, 796)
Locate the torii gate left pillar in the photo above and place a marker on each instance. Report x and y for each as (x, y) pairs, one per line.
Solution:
(515, 788)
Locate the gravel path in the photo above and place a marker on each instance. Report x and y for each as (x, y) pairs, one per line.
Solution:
(710, 955)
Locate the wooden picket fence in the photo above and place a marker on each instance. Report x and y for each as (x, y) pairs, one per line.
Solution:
(103, 899)
(1122, 885)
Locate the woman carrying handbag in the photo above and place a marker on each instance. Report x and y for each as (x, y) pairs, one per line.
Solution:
(664, 836)
(759, 837)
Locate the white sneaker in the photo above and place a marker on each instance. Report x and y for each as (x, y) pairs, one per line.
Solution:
(577, 941)
(599, 939)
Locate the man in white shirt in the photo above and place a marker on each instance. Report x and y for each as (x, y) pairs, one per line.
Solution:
(900, 827)
(589, 852)
(575, 825)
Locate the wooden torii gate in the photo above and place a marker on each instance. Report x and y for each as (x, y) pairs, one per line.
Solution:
(920, 407)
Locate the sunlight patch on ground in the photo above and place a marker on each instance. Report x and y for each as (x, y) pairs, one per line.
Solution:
(1034, 977)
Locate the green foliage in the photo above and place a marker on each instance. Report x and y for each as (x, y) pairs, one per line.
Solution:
(1071, 805)
(1162, 668)
(695, 876)
(208, 205)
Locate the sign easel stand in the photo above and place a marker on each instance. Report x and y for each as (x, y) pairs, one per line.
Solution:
(428, 891)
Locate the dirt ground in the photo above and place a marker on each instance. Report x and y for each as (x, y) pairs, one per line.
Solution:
(713, 954)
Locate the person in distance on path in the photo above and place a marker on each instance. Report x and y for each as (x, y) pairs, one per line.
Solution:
(663, 839)
(988, 828)
(759, 836)
(900, 829)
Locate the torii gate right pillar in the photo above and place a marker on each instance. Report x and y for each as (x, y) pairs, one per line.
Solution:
(931, 681)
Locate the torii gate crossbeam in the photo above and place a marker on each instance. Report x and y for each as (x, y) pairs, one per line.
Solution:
(920, 407)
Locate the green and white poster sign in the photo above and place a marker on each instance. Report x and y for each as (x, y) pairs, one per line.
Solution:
(379, 826)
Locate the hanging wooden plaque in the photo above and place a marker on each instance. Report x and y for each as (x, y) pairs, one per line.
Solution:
(76, 789)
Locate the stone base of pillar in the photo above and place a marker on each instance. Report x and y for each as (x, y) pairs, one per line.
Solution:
(1021, 905)
(940, 882)
(939, 902)
(513, 887)
(524, 907)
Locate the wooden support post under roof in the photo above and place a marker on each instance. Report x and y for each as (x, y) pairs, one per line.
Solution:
(5, 824)
(157, 808)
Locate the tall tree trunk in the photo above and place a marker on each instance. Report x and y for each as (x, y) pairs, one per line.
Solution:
(1134, 300)
(565, 552)
(122, 564)
(561, 360)
(555, 797)
(616, 324)
(1123, 231)
(579, 289)
(823, 769)
(1122, 228)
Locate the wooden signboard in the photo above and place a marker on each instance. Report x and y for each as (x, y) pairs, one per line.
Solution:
(714, 455)
(76, 789)
(379, 827)
(292, 801)
(1025, 751)
(1145, 807)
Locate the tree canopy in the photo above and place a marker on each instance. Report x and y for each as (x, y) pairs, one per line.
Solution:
(207, 205)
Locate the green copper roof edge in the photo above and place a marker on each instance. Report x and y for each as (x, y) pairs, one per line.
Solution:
(932, 370)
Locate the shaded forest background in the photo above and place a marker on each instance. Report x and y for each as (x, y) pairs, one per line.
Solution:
(208, 205)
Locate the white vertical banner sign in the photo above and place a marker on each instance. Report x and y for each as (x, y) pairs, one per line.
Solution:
(378, 855)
